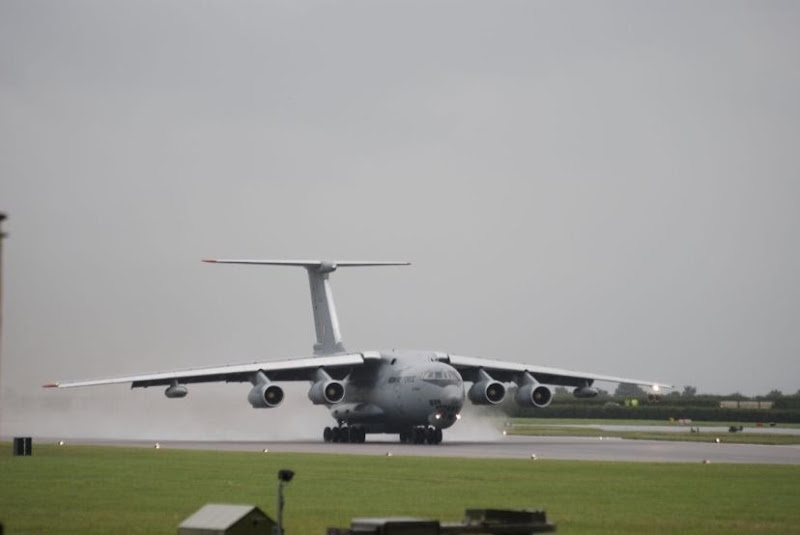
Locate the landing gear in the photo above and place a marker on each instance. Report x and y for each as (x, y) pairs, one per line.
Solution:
(345, 434)
(421, 435)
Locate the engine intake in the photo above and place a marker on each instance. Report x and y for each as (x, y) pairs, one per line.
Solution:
(265, 396)
(486, 391)
(326, 392)
(533, 395)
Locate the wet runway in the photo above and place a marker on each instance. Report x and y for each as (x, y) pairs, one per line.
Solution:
(514, 447)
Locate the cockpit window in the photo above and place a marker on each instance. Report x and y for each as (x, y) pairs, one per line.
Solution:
(442, 377)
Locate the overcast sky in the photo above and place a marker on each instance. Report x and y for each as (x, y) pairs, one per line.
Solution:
(602, 186)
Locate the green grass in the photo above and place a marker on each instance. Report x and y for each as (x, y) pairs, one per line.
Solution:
(581, 428)
(611, 421)
(80, 489)
(686, 436)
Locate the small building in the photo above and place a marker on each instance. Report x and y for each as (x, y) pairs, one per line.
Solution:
(227, 519)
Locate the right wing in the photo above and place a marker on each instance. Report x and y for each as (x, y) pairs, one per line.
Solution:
(294, 369)
(505, 371)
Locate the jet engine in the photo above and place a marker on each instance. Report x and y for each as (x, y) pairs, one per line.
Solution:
(326, 392)
(531, 393)
(486, 391)
(265, 396)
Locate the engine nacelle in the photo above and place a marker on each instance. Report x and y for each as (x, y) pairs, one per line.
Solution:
(326, 392)
(265, 396)
(176, 390)
(585, 392)
(487, 392)
(533, 395)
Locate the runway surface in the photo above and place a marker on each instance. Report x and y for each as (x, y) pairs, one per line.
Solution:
(512, 447)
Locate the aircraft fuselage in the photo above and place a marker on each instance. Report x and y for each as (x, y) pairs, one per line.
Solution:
(403, 390)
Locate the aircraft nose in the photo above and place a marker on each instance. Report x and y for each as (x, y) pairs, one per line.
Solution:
(453, 396)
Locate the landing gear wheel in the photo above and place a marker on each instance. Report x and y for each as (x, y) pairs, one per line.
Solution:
(336, 434)
(430, 435)
(437, 439)
(327, 434)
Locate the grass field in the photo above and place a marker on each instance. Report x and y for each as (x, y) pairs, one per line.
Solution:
(564, 430)
(81, 489)
(610, 421)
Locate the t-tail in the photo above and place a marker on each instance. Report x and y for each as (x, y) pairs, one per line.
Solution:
(326, 323)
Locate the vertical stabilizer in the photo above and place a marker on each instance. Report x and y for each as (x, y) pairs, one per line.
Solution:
(326, 322)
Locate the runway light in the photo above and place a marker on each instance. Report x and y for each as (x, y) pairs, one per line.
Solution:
(717, 440)
(266, 450)
(388, 453)
(60, 442)
(157, 446)
(533, 456)
(706, 461)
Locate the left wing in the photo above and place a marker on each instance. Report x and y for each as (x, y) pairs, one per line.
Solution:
(469, 368)
(294, 369)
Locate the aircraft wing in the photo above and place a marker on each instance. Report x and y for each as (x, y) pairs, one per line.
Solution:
(506, 371)
(293, 369)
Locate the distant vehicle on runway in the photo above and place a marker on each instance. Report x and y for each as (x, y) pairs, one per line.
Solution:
(415, 394)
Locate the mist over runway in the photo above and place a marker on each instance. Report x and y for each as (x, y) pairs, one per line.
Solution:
(511, 447)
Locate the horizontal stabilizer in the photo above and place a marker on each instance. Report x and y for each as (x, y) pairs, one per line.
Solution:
(326, 323)
(307, 263)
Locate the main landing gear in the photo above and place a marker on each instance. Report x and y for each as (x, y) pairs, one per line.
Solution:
(345, 434)
(421, 435)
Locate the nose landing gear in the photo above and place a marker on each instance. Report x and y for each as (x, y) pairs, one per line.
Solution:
(345, 434)
(421, 435)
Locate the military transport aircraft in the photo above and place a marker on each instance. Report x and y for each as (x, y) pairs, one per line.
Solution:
(415, 394)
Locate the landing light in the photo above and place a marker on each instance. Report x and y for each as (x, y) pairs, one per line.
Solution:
(656, 388)
(438, 416)
(458, 416)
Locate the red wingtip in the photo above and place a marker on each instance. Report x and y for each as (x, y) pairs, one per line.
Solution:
(50, 385)
(210, 260)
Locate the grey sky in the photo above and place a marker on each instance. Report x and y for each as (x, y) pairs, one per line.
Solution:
(608, 187)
